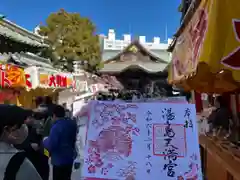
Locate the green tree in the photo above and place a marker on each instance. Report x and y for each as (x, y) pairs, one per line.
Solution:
(180, 7)
(71, 38)
(2, 16)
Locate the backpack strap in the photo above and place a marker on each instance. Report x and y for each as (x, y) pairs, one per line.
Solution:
(14, 165)
(47, 126)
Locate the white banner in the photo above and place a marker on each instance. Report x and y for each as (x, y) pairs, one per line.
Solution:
(147, 140)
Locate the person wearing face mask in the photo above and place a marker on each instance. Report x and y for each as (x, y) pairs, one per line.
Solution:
(33, 147)
(13, 163)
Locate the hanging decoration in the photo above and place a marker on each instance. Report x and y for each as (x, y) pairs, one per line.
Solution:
(206, 54)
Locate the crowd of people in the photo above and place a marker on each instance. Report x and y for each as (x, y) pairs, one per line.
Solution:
(29, 139)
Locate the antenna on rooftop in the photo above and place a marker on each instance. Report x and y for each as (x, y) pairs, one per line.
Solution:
(166, 33)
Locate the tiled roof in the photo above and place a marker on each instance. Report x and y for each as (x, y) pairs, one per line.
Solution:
(32, 60)
(109, 54)
(153, 66)
(16, 33)
(122, 66)
(158, 53)
(26, 59)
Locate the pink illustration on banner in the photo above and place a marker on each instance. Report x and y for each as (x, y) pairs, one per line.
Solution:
(114, 140)
(192, 174)
(129, 170)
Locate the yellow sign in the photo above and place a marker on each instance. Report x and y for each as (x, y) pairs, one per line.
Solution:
(56, 80)
(207, 54)
(44, 79)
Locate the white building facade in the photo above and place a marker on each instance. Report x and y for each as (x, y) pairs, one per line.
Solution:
(110, 45)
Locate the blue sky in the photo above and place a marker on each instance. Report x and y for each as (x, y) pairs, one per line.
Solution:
(140, 17)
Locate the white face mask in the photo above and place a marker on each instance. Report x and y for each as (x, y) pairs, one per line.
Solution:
(17, 136)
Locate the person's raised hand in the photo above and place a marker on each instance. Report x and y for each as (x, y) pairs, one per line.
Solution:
(35, 146)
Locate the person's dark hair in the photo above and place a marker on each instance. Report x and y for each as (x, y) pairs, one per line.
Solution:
(12, 115)
(211, 100)
(39, 100)
(59, 111)
(48, 100)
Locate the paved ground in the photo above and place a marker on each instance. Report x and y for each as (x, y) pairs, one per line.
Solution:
(76, 175)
